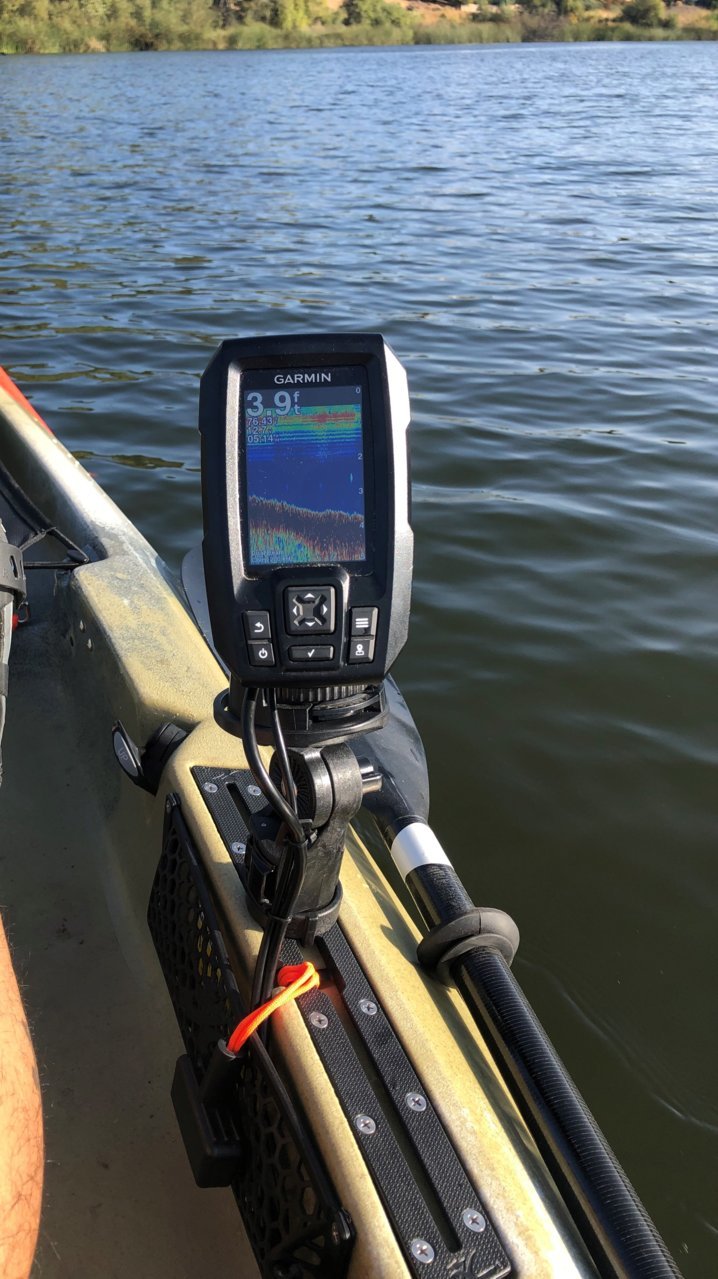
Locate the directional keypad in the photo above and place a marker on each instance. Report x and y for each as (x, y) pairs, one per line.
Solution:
(309, 610)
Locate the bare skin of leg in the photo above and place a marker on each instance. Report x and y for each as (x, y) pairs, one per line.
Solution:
(21, 1137)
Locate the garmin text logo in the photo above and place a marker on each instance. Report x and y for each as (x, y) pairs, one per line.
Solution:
(282, 378)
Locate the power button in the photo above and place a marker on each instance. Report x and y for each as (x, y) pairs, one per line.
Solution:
(260, 654)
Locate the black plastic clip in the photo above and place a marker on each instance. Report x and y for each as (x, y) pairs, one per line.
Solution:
(487, 927)
(144, 767)
(213, 1146)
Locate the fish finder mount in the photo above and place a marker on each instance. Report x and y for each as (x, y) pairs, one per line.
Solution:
(308, 559)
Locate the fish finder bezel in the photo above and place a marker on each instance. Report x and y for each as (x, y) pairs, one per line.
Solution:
(381, 582)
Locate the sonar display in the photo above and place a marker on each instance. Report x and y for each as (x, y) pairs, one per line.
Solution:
(305, 475)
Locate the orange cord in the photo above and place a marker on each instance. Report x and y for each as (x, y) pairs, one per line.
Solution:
(297, 979)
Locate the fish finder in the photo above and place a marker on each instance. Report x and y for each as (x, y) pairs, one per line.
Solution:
(307, 545)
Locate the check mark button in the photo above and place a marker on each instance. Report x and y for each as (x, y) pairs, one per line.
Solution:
(311, 652)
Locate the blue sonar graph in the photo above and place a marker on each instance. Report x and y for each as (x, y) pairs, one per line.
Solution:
(305, 479)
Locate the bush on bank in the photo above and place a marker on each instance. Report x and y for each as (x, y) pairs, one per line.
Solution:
(94, 26)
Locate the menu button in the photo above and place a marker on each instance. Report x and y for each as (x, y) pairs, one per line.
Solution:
(363, 621)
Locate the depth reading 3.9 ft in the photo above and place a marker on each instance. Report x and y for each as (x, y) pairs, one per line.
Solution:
(282, 402)
(305, 475)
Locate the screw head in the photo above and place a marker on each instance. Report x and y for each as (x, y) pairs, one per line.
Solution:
(90, 645)
(415, 1101)
(365, 1124)
(474, 1219)
(422, 1251)
(210, 788)
(253, 790)
(369, 1007)
(238, 847)
(319, 1020)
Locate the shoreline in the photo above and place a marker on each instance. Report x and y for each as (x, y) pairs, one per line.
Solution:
(322, 24)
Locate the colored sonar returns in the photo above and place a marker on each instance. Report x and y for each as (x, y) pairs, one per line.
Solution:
(285, 534)
(305, 476)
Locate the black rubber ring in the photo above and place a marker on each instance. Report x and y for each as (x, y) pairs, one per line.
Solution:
(483, 926)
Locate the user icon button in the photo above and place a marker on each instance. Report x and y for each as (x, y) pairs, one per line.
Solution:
(361, 650)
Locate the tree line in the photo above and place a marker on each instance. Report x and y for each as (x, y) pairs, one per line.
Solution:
(76, 26)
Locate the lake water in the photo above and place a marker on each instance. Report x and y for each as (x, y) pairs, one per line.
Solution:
(534, 230)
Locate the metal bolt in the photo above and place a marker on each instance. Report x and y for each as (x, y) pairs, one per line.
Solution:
(369, 1007)
(422, 1250)
(319, 1020)
(415, 1101)
(82, 625)
(474, 1219)
(168, 805)
(238, 847)
(253, 790)
(365, 1124)
(210, 788)
(89, 644)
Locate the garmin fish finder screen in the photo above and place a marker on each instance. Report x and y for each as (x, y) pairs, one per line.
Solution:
(304, 468)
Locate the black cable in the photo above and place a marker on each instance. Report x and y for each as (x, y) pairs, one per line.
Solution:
(290, 875)
(259, 772)
(290, 872)
(260, 967)
(303, 1137)
(281, 750)
(290, 878)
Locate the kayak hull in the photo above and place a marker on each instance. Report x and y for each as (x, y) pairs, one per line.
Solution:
(114, 639)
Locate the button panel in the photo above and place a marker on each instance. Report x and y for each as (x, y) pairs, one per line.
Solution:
(308, 611)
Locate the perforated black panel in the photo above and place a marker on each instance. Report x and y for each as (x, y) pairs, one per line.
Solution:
(290, 1211)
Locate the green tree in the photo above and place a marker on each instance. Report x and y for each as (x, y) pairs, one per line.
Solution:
(290, 15)
(375, 13)
(644, 13)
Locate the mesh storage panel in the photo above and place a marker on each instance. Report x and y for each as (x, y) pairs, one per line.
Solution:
(290, 1211)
